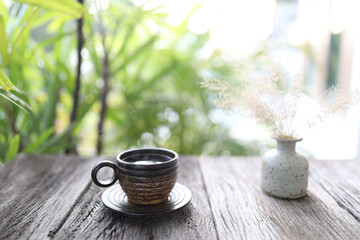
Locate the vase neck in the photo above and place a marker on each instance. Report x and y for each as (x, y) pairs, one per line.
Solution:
(283, 146)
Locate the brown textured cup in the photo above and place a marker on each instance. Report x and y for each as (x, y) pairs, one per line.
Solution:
(146, 175)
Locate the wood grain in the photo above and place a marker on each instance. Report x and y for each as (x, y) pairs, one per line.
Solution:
(92, 220)
(242, 211)
(38, 192)
(45, 197)
(341, 180)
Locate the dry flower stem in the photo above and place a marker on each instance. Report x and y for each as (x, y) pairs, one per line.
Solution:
(267, 98)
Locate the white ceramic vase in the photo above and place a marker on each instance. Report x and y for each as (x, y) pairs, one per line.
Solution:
(284, 172)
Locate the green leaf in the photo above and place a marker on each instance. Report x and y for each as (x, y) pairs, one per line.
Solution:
(15, 100)
(5, 82)
(45, 18)
(154, 79)
(70, 7)
(25, 29)
(4, 11)
(56, 142)
(40, 140)
(22, 13)
(48, 42)
(13, 148)
(3, 42)
(129, 33)
(95, 58)
(136, 53)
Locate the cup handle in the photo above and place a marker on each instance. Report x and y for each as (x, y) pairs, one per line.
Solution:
(100, 165)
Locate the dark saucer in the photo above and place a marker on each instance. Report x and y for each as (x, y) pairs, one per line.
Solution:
(115, 199)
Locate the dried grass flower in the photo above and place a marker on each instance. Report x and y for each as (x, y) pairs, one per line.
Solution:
(268, 98)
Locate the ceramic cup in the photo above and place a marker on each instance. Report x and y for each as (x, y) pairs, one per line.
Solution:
(146, 175)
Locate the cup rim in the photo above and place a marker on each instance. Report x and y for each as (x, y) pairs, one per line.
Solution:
(157, 165)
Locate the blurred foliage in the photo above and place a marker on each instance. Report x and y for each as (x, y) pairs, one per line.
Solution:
(155, 98)
(8, 46)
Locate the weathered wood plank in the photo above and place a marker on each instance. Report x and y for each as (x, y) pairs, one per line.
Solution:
(242, 211)
(341, 180)
(92, 220)
(38, 192)
(40, 202)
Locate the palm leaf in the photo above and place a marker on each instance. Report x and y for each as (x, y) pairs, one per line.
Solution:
(135, 53)
(154, 79)
(15, 100)
(13, 148)
(3, 42)
(26, 28)
(69, 7)
(5, 82)
(4, 11)
(40, 140)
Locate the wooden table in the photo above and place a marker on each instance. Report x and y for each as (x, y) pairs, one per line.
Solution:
(44, 197)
